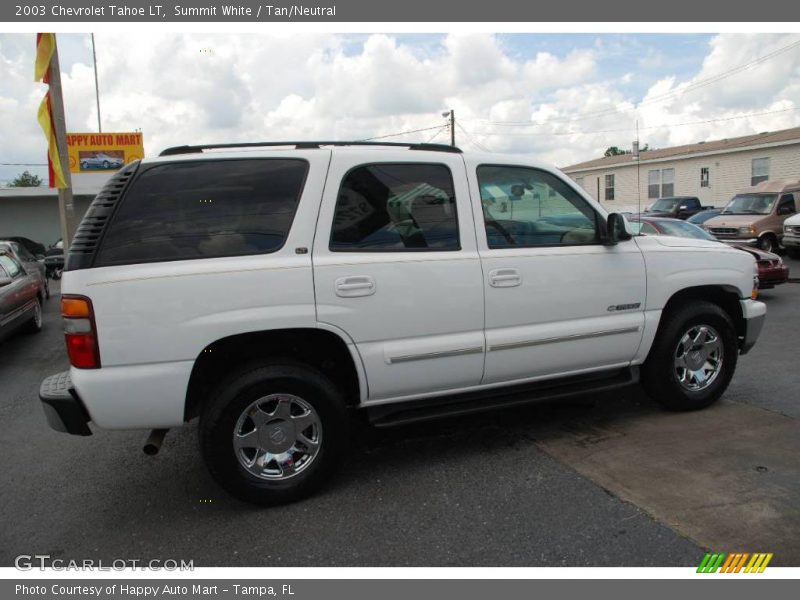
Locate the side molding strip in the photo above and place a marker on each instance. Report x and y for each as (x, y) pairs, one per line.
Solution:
(566, 338)
(444, 354)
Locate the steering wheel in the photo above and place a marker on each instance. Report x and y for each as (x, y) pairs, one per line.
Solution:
(494, 224)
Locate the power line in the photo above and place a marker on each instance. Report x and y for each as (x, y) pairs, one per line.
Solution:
(437, 134)
(659, 98)
(539, 133)
(23, 164)
(388, 135)
(471, 139)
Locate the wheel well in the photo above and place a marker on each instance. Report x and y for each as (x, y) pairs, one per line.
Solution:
(318, 348)
(726, 298)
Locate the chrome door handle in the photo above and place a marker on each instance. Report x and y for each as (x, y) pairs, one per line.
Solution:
(505, 278)
(354, 286)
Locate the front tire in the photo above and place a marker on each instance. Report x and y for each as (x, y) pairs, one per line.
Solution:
(768, 243)
(692, 359)
(273, 434)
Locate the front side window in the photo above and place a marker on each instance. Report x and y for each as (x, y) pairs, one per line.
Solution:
(786, 205)
(396, 208)
(760, 170)
(609, 187)
(205, 209)
(525, 207)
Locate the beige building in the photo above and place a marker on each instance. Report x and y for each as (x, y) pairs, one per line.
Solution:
(713, 171)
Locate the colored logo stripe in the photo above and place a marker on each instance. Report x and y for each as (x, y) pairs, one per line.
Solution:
(735, 562)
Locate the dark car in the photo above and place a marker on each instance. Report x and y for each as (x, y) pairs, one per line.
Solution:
(677, 207)
(21, 296)
(31, 263)
(54, 260)
(31, 246)
(704, 215)
(771, 268)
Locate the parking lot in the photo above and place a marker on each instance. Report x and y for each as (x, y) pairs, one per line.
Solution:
(601, 481)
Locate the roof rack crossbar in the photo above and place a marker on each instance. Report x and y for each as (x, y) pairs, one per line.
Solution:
(306, 145)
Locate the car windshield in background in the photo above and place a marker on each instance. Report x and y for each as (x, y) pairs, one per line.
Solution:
(665, 204)
(684, 229)
(750, 204)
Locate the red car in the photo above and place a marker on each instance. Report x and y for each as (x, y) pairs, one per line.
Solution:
(771, 268)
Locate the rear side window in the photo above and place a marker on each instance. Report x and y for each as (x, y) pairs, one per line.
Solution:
(205, 209)
(396, 208)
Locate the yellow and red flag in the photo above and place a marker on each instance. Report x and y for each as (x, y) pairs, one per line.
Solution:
(45, 47)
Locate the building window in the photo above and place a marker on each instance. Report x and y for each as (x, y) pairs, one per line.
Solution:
(579, 181)
(653, 183)
(760, 170)
(667, 182)
(704, 180)
(609, 187)
(660, 183)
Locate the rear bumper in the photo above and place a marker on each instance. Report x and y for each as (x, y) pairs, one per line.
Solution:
(754, 313)
(62, 406)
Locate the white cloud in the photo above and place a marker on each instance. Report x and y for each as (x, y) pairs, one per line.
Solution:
(188, 88)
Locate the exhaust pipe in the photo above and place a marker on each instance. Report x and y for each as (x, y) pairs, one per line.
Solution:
(153, 443)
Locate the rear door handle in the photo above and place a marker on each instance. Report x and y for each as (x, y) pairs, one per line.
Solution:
(505, 278)
(354, 286)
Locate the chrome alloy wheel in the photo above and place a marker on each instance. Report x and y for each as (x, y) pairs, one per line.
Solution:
(698, 358)
(277, 436)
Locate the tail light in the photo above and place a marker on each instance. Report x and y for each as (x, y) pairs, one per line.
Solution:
(80, 332)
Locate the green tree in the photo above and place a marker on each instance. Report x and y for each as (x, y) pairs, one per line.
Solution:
(26, 179)
(614, 151)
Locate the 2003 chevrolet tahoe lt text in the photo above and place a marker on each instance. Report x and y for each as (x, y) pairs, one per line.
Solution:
(273, 290)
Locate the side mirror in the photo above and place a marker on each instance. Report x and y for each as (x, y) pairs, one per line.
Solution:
(4, 281)
(786, 209)
(615, 230)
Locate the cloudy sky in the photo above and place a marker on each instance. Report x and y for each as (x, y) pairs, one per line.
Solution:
(564, 97)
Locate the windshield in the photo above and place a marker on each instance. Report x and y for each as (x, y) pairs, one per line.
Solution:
(750, 204)
(665, 204)
(684, 229)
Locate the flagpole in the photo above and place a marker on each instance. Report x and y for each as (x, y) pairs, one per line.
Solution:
(66, 205)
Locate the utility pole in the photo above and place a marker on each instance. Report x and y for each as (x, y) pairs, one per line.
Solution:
(452, 125)
(66, 205)
(96, 87)
(452, 128)
(636, 151)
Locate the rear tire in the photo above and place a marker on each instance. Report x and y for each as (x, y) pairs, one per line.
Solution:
(273, 433)
(34, 325)
(693, 357)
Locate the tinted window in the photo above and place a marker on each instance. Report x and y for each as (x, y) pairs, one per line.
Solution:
(396, 207)
(205, 209)
(529, 207)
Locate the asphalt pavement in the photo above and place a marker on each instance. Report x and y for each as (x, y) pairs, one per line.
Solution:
(516, 488)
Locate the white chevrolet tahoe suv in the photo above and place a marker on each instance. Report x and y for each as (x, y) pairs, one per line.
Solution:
(273, 290)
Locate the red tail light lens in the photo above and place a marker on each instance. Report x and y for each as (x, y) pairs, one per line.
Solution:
(80, 332)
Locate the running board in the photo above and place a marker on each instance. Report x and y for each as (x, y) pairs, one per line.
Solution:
(413, 411)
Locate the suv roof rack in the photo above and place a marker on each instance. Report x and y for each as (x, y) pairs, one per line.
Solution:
(307, 145)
